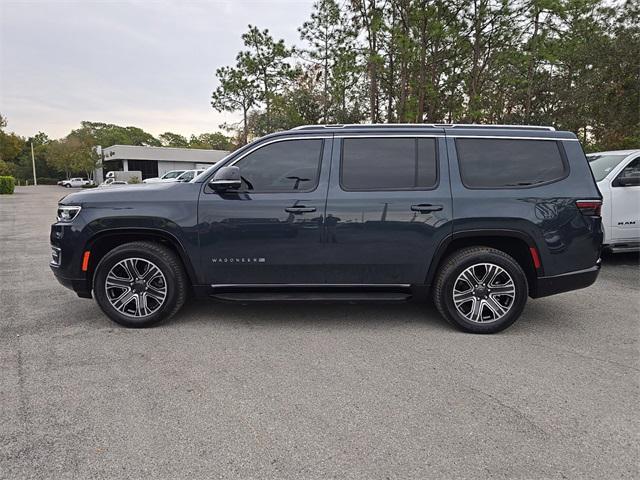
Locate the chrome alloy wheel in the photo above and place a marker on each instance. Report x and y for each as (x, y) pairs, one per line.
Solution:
(136, 287)
(484, 293)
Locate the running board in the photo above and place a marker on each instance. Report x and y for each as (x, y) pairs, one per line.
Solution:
(312, 296)
(314, 292)
(623, 247)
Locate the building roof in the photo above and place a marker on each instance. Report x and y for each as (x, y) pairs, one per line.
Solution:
(170, 154)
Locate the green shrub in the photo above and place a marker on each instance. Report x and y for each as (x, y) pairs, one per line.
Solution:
(88, 186)
(134, 180)
(6, 168)
(7, 185)
(47, 181)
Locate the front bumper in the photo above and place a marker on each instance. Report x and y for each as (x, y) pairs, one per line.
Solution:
(66, 258)
(78, 285)
(566, 282)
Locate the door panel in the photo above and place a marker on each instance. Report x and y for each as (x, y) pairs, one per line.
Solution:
(625, 206)
(385, 236)
(270, 232)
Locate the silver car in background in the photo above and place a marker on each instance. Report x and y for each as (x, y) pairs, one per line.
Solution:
(170, 175)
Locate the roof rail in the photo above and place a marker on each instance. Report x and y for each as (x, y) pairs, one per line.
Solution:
(365, 125)
(423, 125)
(479, 125)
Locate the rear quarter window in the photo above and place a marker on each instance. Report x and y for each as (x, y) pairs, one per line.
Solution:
(509, 163)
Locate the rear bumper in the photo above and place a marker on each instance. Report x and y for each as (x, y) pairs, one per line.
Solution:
(78, 285)
(566, 282)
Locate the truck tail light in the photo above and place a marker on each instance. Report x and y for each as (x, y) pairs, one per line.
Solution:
(589, 208)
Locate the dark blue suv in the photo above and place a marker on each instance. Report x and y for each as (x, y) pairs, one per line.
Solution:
(478, 217)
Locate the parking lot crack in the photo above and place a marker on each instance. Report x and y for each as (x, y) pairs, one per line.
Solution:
(22, 393)
(589, 357)
(516, 411)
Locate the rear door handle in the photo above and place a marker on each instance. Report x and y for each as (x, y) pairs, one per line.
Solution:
(300, 209)
(426, 208)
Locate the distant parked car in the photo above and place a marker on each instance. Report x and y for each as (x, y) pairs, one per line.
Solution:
(167, 176)
(110, 182)
(76, 182)
(187, 176)
(618, 176)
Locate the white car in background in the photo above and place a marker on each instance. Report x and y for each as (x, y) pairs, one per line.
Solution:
(618, 176)
(75, 182)
(186, 176)
(110, 182)
(170, 175)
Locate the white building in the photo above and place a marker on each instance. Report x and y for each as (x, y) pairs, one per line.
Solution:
(155, 161)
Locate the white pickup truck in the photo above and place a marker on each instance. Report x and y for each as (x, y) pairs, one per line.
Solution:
(618, 176)
(75, 182)
(130, 176)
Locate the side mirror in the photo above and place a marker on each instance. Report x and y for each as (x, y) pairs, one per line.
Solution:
(631, 181)
(226, 178)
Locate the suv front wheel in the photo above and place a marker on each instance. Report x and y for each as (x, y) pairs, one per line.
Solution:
(480, 290)
(139, 284)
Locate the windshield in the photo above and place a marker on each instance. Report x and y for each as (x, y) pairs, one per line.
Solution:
(601, 165)
(186, 176)
(173, 174)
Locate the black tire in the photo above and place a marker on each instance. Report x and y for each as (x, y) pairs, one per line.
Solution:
(457, 263)
(173, 277)
(67, 186)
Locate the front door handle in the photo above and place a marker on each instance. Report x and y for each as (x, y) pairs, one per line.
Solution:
(300, 209)
(426, 208)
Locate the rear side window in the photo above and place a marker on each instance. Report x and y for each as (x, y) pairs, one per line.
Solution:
(388, 163)
(499, 163)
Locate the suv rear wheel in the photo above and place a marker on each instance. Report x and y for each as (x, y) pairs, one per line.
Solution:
(139, 284)
(480, 290)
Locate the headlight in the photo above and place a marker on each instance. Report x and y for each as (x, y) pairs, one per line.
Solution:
(66, 213)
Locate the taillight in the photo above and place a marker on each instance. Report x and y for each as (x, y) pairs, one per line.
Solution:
(590, 208)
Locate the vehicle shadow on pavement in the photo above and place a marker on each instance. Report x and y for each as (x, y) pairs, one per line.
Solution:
(319, 314)
(631, 259)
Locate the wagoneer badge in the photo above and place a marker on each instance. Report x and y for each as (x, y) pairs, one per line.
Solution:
(239, 260)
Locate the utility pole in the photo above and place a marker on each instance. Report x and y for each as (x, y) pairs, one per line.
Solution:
(33, 163)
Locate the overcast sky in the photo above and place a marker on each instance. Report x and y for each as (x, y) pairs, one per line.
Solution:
(149, 64)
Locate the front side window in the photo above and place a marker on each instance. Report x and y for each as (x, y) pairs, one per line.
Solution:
(508, 163)
(388, 163)
(286, 166)
(630, 175)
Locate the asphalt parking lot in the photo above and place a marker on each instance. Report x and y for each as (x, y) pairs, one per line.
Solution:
(309, 391)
